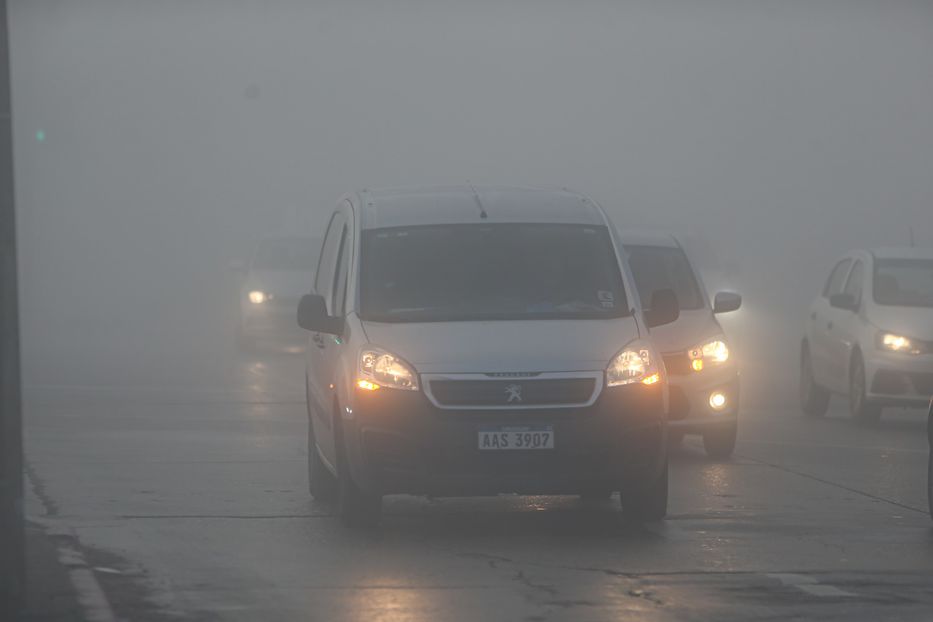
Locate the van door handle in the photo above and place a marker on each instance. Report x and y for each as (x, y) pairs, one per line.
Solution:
(318, 340)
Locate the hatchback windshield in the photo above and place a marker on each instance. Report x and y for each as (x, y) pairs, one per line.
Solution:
(664, 267)
(288, 253)
(904, 282)
(495, 271)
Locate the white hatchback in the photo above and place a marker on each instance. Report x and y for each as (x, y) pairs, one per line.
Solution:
(869, 335)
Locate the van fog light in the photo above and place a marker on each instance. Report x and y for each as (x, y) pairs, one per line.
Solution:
(717, 400)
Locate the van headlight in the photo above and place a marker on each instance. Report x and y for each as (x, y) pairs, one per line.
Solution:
(379, 369)
(257, 297)
(713, 352)
(635, 363)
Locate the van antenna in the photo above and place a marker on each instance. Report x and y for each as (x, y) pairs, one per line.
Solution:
(479, 202)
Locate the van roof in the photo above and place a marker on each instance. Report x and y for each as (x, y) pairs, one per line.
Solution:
(403, 207)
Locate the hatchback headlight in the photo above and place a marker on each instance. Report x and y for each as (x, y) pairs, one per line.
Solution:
(379, 368)
(897, 343)
(635, 363)
(713, 352)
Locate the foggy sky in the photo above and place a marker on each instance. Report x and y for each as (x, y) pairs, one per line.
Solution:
(176, 133)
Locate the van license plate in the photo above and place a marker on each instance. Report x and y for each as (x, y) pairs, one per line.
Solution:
(518, 437)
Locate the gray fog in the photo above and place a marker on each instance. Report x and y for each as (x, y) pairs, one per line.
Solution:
(156, 142)
(176, 133)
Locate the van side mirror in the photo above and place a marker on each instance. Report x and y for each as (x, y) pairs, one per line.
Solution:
(724, 302)
(312, 315)
(846, 302)
(664, 308)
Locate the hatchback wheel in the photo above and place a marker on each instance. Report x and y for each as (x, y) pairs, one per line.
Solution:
(814, 399)
(861, 408)
(719, 441)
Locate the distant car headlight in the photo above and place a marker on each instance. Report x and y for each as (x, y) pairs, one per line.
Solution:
(257, 297)
(635, 363)
(714, 352)
(896, 343)
(379, 369)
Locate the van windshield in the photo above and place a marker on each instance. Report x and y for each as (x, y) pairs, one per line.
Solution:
(490, 272)
(904, 282)
(664, 267)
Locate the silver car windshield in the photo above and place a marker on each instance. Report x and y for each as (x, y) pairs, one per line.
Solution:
(664, 267)
(903, 282)
(490, 271)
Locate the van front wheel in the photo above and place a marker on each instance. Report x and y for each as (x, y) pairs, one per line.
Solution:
(355, 507)
(647, 502)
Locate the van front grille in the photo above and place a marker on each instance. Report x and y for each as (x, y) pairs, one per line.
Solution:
(513, 393)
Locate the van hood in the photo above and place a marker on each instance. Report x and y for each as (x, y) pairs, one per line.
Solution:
(508, 346)
(689, 330)
(916, 322)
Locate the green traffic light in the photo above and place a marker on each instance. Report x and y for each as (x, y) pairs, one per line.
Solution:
(40, 136)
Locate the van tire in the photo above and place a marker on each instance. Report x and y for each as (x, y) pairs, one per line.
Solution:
(647, 502)
(321, 482)
(355, 507)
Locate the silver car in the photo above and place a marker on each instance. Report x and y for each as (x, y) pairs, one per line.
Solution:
(702, 372)
(869, 335)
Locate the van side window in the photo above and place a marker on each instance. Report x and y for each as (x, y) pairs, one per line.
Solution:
(836, 278)
(323, 282)
(343, 269)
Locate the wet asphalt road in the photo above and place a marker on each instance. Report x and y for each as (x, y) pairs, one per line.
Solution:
(192, 501)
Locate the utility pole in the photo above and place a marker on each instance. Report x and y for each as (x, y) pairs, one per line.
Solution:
(12, 547)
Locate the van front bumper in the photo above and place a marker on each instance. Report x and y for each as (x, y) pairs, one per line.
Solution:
(400, 442)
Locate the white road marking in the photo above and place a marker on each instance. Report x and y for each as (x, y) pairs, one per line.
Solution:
(902, 450)
(90, 595)
(810, 585)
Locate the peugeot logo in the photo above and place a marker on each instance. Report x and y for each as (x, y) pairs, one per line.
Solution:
(513, 393)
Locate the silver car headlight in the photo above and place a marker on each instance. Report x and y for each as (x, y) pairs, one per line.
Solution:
(381, 369)
(635, 363)
(713, 352)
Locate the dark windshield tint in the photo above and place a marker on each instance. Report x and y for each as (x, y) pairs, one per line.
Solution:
(904, 282)
(663, 267)
(291, 253)
(499, 271)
